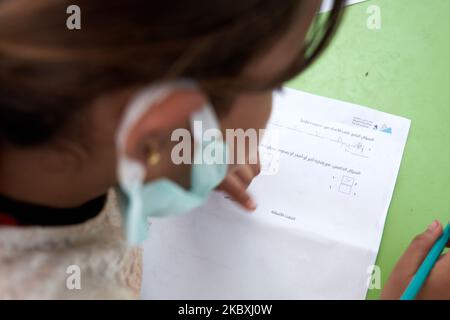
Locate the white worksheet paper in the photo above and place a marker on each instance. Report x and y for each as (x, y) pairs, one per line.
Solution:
(327, 4)
(328, 173)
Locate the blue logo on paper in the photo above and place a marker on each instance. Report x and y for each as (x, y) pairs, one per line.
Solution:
(383, 128)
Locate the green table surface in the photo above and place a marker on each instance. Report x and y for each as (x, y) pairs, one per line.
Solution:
(404, 69)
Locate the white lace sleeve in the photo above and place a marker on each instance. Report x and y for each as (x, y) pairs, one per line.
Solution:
(86, 261)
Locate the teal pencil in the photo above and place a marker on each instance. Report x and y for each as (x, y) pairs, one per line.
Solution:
(425, 268)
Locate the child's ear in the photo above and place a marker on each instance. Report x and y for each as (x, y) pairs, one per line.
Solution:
(170, 113)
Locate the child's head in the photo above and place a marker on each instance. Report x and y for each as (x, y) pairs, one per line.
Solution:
(63, 92)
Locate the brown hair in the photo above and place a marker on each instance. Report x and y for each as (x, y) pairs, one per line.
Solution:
(48, 72)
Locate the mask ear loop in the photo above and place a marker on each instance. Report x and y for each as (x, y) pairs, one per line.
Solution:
(130, 171)
(205, 121)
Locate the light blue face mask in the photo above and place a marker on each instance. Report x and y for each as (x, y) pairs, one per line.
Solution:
(162, 197)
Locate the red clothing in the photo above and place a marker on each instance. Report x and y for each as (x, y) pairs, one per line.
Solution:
(8, 220)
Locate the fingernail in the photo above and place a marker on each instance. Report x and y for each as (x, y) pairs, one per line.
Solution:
(433, 226)
(250, 204)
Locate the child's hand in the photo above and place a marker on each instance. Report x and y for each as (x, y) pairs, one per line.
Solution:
(437, 286)
(236, 183)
